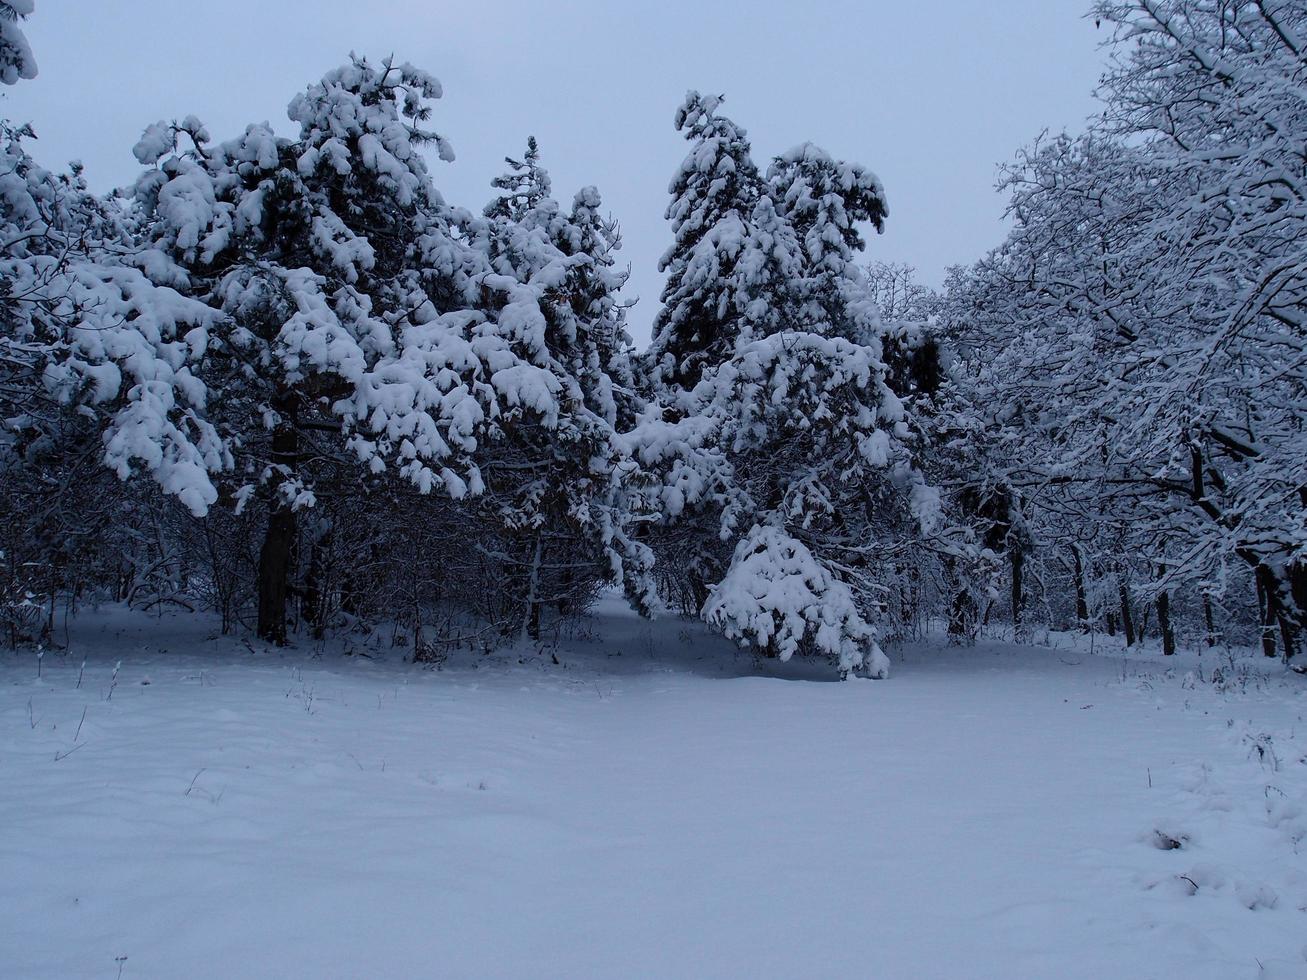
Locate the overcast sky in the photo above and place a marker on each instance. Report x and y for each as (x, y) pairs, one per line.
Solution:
(929, 95)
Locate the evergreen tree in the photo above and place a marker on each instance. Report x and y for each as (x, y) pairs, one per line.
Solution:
(593, 340)
(96, 377)
(594, 292)
(331, 332)
(525, 187)
(713, 193)
(555, 507)
(824, 201)
(788, 477)
(16, 58)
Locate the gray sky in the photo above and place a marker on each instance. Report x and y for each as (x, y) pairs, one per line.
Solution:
(929, 95)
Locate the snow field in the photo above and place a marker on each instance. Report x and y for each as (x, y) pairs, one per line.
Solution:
(654, 805)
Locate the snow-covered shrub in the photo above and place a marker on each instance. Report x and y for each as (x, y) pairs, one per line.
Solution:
(777, 596)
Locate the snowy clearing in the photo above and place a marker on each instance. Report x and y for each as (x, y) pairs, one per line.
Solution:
(652, 805)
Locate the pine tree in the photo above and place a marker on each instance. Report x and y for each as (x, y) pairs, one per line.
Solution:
(586, 329)
(347, 301)
(556, 503)
(16, 58)
(786, 459)
(525, 187)
(96, 363)
(594, 292)
(824, 201)
(713, 194)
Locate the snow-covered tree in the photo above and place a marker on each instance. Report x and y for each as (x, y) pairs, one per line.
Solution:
(1215, 91)
(594, 292)
(523, 189)
(714, 192)
(900, 295)
(16, 58)
(825, 201)
(557, 493)
(330, 261)
(572, 255)
(368, 327)
(786, 461)
(96, 363)
(1136, 343)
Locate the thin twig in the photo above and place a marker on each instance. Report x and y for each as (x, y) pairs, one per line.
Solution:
(192, 785)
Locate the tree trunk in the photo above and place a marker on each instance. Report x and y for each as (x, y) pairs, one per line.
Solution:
(1286, 592)
(1298, 600)
(962, 611)
(274, 573)
(962, 616)
(1018, 565)
(565, 600)
(1266, 609)
(699, 590)
(909, 599)
(279, 538)
(533, 628)
(1127, 617)
(1289, 637)
(1164, 623)
(531, 622)
(1208, 620)
(1082, 602)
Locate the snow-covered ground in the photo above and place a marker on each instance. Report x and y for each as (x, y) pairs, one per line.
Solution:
(654, 804)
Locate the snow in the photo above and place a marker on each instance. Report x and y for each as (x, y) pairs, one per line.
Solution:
(776, 594)
(654, 804)
(16, 59)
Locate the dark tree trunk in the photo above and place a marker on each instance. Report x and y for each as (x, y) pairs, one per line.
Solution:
(964, 610)
(279, 538)
(1018, 566)
(962, 617)
(531, 627)
(565, 601)
(1266, 609)
(1298, 588)
(909, 599)
(1298, 598)
(1164, 623)
(274, 574)
(1285, 595)
(1208, 621)
(1289, 637)
(1082, 602)
(698, 592)
(1111, 624)
(1127, 617)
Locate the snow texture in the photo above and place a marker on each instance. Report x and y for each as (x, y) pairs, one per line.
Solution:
(205, 811)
